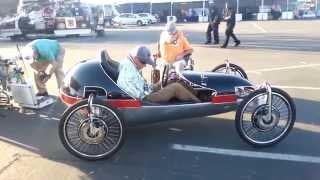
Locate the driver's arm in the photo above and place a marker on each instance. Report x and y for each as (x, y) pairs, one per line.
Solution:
(132, 82)
(134, 86)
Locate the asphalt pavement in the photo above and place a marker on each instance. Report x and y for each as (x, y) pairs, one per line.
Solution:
(285, 53)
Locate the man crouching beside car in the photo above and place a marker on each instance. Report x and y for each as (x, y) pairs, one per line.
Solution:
(44, 53)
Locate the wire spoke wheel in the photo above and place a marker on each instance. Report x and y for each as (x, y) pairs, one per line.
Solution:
(233, 70)
(105, 137)
(255, 126)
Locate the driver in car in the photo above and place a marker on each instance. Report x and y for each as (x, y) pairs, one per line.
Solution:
(174, 46)
(131, 80)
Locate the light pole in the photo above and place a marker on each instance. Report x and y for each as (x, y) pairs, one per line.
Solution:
(171, 7)
(237, 6)
(150, 7)
(203, 7)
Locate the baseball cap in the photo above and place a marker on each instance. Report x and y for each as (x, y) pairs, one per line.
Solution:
(171, 27)
(143, 53)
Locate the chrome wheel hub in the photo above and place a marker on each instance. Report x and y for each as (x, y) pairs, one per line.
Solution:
(262, 122)
(94, 136)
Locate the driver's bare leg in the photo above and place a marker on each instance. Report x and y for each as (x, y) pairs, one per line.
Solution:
(174, 90)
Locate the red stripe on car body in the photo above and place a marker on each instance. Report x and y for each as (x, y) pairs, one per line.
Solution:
(116, 103)
(220, 99)
(124, 103)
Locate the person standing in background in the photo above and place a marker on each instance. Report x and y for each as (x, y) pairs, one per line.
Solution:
(214, 21)
(231, 22)
(45, 53)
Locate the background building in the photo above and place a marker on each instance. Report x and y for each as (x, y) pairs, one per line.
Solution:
(248, 8)
(180, 8)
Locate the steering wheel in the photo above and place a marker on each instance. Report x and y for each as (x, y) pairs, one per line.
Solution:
(165, 73)
(165, 76)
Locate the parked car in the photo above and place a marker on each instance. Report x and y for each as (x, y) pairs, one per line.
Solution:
(150, 18)
(309, 15)
(130, 19)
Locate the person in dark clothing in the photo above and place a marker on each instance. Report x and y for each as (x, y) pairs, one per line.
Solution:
(231, 22)
(214, 21)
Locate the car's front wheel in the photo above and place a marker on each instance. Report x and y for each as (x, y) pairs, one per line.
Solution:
(259, 126)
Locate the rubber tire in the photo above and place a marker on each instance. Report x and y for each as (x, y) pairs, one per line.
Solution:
(238, 68)
(6, 98)
(139, 23)
(100, 33)
(65, 144)
(243, 103)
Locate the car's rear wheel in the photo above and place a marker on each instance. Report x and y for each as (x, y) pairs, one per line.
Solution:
(91, 140)
(233, 70)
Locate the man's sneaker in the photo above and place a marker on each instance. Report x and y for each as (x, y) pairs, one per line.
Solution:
(42, 94)
(207, 42)
(237, 44)
(216, 43)
(223, 46)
